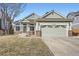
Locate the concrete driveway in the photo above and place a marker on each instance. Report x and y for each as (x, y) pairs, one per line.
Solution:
(63, 46)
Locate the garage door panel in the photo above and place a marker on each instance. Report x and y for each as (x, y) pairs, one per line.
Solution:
(53, 32)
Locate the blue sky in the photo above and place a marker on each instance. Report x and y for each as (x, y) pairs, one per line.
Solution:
(41, 8)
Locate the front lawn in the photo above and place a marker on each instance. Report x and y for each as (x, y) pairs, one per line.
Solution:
(17, 46)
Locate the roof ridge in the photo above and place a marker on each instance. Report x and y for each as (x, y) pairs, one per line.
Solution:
(30, 15)
(52, 11)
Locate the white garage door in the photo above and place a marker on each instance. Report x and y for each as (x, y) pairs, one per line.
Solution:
(54, 31)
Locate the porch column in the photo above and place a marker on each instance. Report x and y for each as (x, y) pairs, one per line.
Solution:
(70, 29)
(21, 28)
(70, 26)
(37, 28)
(28, 28)
(14, 27)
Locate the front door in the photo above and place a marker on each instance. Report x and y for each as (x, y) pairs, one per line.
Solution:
(32, 28)
(24, 28)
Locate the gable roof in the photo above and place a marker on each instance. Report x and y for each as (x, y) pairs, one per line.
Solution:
(53, 13)
(34, 17)
(31, 16)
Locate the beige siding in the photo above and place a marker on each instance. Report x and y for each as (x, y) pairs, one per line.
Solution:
(54, 15)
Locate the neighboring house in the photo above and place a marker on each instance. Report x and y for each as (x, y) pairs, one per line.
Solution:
(75, 17)
(49, 25)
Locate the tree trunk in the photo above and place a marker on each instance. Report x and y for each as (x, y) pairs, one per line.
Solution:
(11, 30)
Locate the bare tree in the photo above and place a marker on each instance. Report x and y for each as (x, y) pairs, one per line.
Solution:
(10, 11)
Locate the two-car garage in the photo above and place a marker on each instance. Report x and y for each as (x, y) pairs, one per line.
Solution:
(54, 31)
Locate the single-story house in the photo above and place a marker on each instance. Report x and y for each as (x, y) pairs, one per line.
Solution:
(51, 24)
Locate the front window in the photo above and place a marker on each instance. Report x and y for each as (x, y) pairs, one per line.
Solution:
(31, 28)
(17, 28)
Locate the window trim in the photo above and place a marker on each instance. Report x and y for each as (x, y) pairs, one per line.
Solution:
(17, 27)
